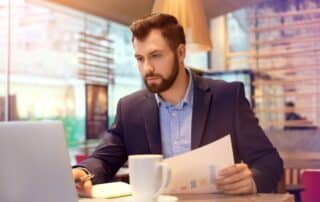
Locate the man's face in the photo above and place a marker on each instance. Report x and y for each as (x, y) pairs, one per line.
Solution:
(158, 64)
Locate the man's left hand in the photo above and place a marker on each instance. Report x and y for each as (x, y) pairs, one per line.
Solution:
(236, 179)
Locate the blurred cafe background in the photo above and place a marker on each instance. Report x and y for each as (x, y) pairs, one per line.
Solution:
(71, 60)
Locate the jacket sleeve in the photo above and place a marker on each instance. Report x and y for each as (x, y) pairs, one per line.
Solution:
(254, 147)
(110, 155)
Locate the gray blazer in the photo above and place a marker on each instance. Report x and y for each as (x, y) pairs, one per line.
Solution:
(219, 108)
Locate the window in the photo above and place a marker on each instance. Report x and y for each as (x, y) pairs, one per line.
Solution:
(3, 57)
(45, 54)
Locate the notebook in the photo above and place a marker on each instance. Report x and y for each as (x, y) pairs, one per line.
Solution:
(111, 190)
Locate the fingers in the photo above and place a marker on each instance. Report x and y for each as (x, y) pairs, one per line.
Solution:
(234, 174)
(233, 169)
(236, 179)
(240, 187)
(241, 190)
(83, 187)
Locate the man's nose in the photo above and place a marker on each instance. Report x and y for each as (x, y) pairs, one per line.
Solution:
(148, 67)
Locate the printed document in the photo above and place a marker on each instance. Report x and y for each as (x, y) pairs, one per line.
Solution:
(196, 171)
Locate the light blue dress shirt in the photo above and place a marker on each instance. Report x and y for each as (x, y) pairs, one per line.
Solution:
(175, 123)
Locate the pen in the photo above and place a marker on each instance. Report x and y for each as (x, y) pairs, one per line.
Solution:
(83, 178)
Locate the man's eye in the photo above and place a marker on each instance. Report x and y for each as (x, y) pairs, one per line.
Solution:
(156, 55)
(139, 59)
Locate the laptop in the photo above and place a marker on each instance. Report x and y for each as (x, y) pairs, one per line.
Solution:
(35, 164)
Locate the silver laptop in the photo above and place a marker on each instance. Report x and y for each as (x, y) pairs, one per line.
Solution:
(34, 163)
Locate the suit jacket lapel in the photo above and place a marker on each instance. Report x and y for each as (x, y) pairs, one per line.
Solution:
(201, 106)
(152, 124)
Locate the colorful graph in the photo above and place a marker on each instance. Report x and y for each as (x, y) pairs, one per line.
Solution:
(195, 183)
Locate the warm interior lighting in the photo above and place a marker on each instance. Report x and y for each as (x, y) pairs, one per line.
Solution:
(190, 14)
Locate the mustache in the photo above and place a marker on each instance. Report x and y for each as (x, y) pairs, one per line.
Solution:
(152, 75)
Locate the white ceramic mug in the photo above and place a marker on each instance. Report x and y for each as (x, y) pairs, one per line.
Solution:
(149, 177)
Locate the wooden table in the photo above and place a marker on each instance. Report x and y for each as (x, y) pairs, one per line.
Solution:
(241, 198)
(214, 198)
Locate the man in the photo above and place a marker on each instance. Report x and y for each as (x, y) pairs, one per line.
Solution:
(179, 112)
(295, 121)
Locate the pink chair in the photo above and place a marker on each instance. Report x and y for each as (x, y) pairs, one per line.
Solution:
(81, 157)
(310, 179)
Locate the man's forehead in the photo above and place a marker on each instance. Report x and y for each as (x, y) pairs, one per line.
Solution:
(153, 42)
(148, 52)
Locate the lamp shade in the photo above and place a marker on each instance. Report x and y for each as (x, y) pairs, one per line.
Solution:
(190, 14)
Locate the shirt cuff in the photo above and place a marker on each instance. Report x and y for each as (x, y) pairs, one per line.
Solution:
(84, 169)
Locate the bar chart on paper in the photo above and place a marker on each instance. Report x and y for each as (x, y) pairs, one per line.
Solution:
(196, 171)
(200, 183)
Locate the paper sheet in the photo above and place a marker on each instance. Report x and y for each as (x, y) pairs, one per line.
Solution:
(196, 171)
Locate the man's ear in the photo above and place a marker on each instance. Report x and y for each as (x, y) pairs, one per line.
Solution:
(181, 52)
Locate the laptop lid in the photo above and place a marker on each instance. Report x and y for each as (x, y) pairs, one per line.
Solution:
(34, 163)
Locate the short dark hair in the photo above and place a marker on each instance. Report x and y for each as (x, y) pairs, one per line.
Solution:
(289, 104)
(169, 26)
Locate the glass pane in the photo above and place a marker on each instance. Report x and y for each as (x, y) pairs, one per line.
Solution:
(3, 55)
(44, 73)
(127, 77)
(46, 53)
(197, 60)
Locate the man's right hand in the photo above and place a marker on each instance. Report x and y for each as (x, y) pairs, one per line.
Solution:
(82, 181)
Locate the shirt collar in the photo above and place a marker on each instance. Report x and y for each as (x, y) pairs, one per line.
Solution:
(188, 96)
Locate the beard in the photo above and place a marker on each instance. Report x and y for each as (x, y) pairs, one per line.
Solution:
(165, 83)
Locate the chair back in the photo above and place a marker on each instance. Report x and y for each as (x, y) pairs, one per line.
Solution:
(310, 179)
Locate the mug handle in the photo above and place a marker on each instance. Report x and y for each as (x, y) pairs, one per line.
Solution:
(166, 176)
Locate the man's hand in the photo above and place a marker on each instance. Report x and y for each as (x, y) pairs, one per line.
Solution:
(236, 179)
(82, 181)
